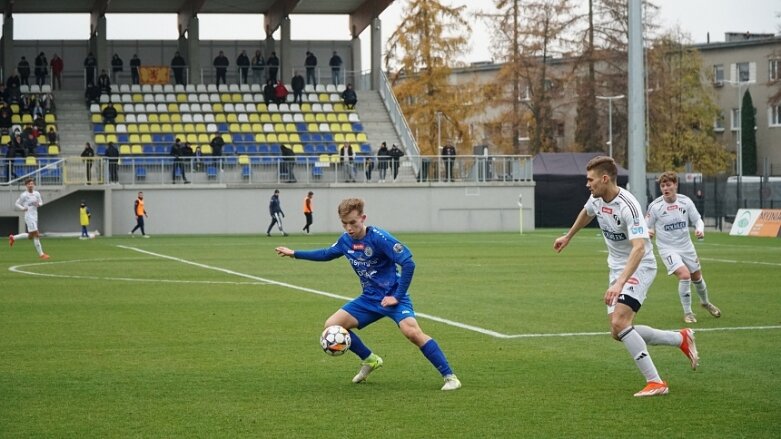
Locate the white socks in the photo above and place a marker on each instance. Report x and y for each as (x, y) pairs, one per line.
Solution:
(37, 244)
(684, 291)
(702, 290)
(637, 348)
(21, 236)
(657, 337)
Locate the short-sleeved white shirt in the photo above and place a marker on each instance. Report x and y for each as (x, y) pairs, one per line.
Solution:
(671, 222)
(621, 220)
(30, 201)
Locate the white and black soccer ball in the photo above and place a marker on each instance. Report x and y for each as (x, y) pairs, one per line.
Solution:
(335, 340)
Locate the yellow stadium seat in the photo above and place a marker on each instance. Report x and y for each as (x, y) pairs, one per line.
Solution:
(226, 97)
(283, 138)
(232, 118)
(203, 138)
(180, 97)
(320, 117)
(134, 138)
(335, 127)
(341, 117)
(279, 127)
(111, 138)
(54, 150)
(120, 118)
(339, 108)
(309, 117)
(349, 137)
(272, 138)
(146, 138)
(245, 127)
(191, 138)
(110, 129)
(234, 128)
(227, 138)
(338, 137)
(100, 138)
(290, 127)
(298, 148)
(132, 128)
(294, 137)
(30, 161)
(136, 150)
(276, 117)
(138, 97)
(236, 97)
(155, 128)
(220, 118)
(257, 127)
(124, 149)
(262, 107)
(346, 127)
(4, 139)
(335, 158)
(189, 128)
(323, 97)
(152, 118)
(166, 128)
(178, 128)
(165, 118)
(95, 118)
(173, 108)
(265, 118)
(217, 107)
(324, 158)
(361, 137)
(254, 117)
(312, 127)
(200, 128)
(244, 159)
(306, 107)
(176, 118)
(206, 149)
(50, 118)
(260, 138)
(330, 117)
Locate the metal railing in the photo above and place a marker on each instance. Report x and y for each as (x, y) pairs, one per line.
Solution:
(399, 121)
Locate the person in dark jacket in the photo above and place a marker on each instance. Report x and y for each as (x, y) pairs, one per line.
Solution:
(395, 154)
(135, 64)
(350, 97)
(117, 65)
(178, 65)
(297, 83)
(177, 152)
(221, 64)
(258, 65)
(288, 163)
(268, 92)
(273, 66)
(24, 70)
(88, 155)
(217, 143)
(310, 62)
(90, 68)
(112, 155)
(104, 82)
(383, 157)
(41, 68)
(275, 210)
(242, 62)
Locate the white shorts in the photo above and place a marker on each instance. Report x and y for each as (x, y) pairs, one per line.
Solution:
(674, 261)
(636, 287)
(32, 224)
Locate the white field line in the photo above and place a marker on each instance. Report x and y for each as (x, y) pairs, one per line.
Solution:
(426, 316)
(734, 261)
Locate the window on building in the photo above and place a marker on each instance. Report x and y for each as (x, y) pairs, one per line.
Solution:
(744, 73)
(774, 114)
(735, 125)
(718, 123)
(718, 74)
(774, 69)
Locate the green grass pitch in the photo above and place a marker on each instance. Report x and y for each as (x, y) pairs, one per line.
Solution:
(216, 336)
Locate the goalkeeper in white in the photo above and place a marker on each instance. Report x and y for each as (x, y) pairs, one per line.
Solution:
(669, 218)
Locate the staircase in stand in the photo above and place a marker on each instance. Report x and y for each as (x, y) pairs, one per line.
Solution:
(73, 121)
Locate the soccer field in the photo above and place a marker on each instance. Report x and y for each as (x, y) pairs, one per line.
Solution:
(218, 337)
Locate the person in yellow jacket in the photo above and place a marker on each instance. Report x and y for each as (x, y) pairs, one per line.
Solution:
(84, 217)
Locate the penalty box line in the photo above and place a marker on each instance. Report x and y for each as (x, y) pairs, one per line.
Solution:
(418, 314)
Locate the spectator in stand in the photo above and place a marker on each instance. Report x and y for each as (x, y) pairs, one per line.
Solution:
(310, 62)
(288, 163)
(5, 119)
(297, 83)
(258, 65)
(280, 93)
(395, 155)
(178, 65)
(112, 154)
(198, 158)
(91, 94)
(449, 158)
(347, 159)
(47, 102)
(88, 155)
(135, 64)
(57, 66)
(24, 104)
(30, 143)
(273, 66)
(104, 82)
(36, 109)
(117, 65)
(90, 68)
(221, 64)
(383, 156)
(242, 62)
(268, 92)
(24, 70)
(14, 81)
(109, 114)
(350, 97)
(217, 143)
(39, 124)
(336, 66)
(52, 136)
(177, 152)
(41, 69)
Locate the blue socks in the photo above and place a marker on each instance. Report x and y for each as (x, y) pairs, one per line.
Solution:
(358, 347)
(435, 355)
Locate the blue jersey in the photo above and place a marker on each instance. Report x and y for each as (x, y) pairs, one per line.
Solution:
(374, 259)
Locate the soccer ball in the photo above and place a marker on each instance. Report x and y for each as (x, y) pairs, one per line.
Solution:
(335, 340)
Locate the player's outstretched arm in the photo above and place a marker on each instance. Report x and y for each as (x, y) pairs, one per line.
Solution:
(284, 251)
(581, 221)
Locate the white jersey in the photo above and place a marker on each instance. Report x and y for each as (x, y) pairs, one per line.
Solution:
(621, 221)
(30, 201)
(671, 222)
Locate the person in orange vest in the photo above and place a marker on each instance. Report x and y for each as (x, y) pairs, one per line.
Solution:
(140, 212)
(308, 208)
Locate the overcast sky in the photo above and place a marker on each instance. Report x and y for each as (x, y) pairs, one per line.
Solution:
(695, 17)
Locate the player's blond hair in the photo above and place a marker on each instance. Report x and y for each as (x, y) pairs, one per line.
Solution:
(350, 204)
(670, 176)
(603, 165)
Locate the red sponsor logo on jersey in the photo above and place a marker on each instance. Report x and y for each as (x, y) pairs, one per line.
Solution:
(672, 207)
(632, 281)
(358, 247)
(607, 210)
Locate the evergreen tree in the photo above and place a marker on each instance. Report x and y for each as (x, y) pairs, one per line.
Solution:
(748, 137)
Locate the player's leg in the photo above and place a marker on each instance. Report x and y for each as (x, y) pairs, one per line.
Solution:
(271, 226)
(141, 225)
(702, 292)
(357, 314)
(138, 225)
(676, 265)
(34, 235)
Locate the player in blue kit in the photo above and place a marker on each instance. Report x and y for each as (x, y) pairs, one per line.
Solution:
(374, 254)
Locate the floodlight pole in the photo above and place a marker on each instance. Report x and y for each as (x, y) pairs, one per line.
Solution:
(609, 100)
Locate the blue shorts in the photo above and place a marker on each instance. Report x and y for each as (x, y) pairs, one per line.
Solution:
(368, 311)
